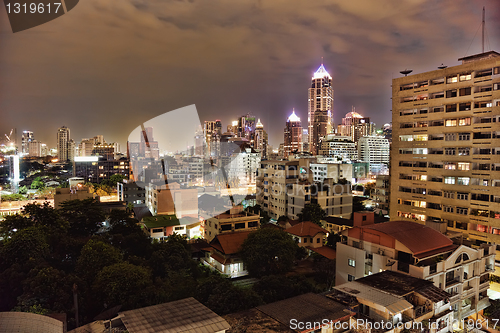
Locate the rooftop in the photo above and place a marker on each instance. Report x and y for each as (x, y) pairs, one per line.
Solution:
(304, 229)
(160, 221)
(229, 243)
(29, 322)
(306, 308)
(394, 283)
(382, 300)
(325, 251)
(479, 56)
(185, 315)
(416, 237)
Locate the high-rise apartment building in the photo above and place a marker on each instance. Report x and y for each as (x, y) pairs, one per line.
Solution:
(341, 148)
(62, 144)
(26, 138)
(292, 135)
(374, 150)
(35, 148)
(261, 139)
(445, 165)
(320, 108)
(356, 126)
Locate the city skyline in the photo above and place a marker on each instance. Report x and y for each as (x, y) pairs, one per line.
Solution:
(97, 72)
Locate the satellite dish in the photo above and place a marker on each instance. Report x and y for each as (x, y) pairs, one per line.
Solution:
(406, 72)
(442, 66)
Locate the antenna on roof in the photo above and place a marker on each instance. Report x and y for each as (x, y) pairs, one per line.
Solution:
(442, 66)
(406, 72)
(483, 30)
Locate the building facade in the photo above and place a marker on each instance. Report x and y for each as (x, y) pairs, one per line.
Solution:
(292, 136)
(445, 164)
(62, 139)
(341, 148)
(376, 151)
(422, 252)
(26, 138)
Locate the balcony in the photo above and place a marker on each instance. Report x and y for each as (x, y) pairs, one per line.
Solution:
(452, 282)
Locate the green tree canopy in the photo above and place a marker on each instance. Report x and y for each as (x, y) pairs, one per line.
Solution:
(274, 288)
(94, 257)
(268, 251)
(37, 184)
(312, 212)
(84, 216)
(122, 283)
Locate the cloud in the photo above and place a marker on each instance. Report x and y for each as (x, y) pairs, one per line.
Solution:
(107, 65)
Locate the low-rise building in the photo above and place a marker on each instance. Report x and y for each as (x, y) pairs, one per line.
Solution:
(308, 234)
(421, 252)
(223, 254)
(396, 302)
(380, 193)
(233, 220)
(168, 199)
(131, 193)
(79, 192)
(162, 226)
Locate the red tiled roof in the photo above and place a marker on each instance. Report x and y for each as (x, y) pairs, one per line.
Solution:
(218, 257)
(325, 251)
(229, 243)
(306, 229)
(416, 237)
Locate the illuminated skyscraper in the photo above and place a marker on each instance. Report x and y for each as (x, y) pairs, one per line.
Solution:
(320, 108)
(260, 142)
(62, 143)
(292, 135)
(26, 138)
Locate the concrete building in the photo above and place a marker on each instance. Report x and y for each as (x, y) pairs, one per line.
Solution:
(35, 148)
(334, 171)
(308, 234)
(374, 150)
(356, 126)
(380, 194)
(445, 163)
(243, 166)
(79, 192)
(234, 220)
(130, 193)
(261, 140)
(170, 199)
(292, 136)
(421, 252)
(320, 108)
(223, 254)
(62, 139)
(394, 300)
(26, 138)
(341, 148)
(94, 169)
(334, 198)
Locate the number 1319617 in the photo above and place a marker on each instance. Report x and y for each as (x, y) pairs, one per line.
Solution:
(33, 8)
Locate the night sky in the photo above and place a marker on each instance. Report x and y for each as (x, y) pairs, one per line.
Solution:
(108, 66)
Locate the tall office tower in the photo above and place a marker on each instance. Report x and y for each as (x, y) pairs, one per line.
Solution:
(320, 108)
(26, 138)
(356, 126)
(374, 150)
(85, 147)
(62, 143)
(292, 135)
(34, 148)
(71, 149)
(212, 130)
(445, 169)
(199, 142)
(233, 128)
(148, 147)
(260, 141)
(246, 127)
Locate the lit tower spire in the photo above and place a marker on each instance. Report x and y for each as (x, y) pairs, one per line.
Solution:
(292, 135)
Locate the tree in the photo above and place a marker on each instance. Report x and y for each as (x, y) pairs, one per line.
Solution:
(122, 283)
(332, 240)
(274, 288)
(85, 216)
(37, 184)
(95, 256)
(268, 251)
(23, 190)
(312, 212)
(357, 204)
(28, 245)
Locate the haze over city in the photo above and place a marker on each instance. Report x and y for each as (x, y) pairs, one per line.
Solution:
(106, 67)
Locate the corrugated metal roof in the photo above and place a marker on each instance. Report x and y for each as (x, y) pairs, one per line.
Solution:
(29, 322)
(186, 315)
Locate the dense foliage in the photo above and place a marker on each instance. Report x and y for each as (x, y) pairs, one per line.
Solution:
(48, 253)
(312, 212)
